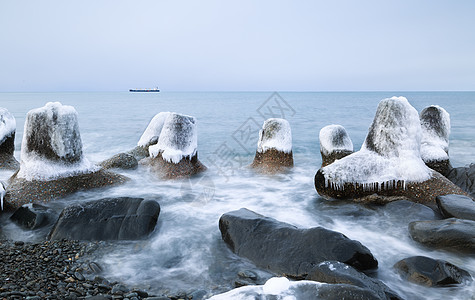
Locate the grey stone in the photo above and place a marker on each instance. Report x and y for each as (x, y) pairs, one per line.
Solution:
(457, 206)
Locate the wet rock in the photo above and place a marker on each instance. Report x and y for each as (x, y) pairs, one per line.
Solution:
(448, 233)
(337, 272)
(107, 219)
(33, 216)
(120, 161)
(175, 154)
(405, 211)
(435, 122)
(282, 288)
(274, 148)
(389, 164)
(286, 249)
(335, 143)
(456, 206)
(7, 140)
(464, 177)
(430, 272)
(52, 163)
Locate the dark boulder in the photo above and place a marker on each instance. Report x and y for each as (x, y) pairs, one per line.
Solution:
(33, 216)
(120, 161)
(287, 250)
(448, 233)
(405, 212)
(431, 272)
(337, 272)
(457, 206)
(107, 219)
(464, 177)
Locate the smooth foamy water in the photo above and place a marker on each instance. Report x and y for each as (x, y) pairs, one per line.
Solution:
(185, 252)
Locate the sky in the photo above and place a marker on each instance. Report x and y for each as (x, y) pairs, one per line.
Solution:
(260, 45)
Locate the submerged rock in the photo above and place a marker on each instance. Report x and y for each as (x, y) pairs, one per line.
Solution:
(435, 122)
(335, 143)
(107, 219)
(456, 206)
(120, 161)
(282, 288)
(464, 177)
(33, 216)
(430, 272)
(389, 163)
(175, 154)
(7, 140)
(52, 163)
(448, 233)
(287, 250)
(337, 272)
(274, 148)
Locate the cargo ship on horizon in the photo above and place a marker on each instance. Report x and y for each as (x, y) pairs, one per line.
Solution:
(145, 90)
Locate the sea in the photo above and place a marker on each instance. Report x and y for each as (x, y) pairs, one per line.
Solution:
(185, 253)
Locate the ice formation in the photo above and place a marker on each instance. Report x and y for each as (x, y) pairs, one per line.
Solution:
(275, 134)
(7, 124)
(51, 145)
(153, 130)
(178, 138)
(435, 122)
(334, 138)
(390, 153)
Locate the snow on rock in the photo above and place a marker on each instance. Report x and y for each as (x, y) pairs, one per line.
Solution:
(7, 124)
(51, 147)
(390, 152)
(178, 138)
(153, 130)
(334, 138)
(275, 134)
(435, 122)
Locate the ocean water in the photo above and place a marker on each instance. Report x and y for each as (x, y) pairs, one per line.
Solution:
(185, 252)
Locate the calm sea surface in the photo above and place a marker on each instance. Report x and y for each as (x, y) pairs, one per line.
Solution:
(186, 252)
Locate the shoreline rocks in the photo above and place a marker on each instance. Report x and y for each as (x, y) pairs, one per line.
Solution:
(274, 147)
(287, 250)
(7, 140)
(335, 143)
(456, 206)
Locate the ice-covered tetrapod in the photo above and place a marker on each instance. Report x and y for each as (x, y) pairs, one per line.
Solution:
(335, 143)
(435, 122)
(7, 140)
(389, 163)
(52, 163)
(274, 147)
(174, 154)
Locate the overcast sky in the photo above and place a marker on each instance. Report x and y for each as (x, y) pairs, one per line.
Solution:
(260, 45)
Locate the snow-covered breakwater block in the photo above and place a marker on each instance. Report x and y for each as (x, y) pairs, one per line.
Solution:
(172, 142)
(335, 143)
(389, 165)
(52, 163)
(435, 122)
(287, 250)
(274, 148)
(7, 140)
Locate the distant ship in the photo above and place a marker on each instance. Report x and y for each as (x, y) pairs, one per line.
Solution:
(145, 90)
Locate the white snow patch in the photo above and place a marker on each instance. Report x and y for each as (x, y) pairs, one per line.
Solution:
(275, 134)
(178, 138)
(64, 139)
(7, 124)
(334, 138)
(153, 129)
(276, 285)
(435, 144)
(395, 136)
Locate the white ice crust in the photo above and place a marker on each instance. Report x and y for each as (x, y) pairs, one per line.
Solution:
(278, 287)
(396, 138)
(7, 124)
(64, 140)
(153, 129)
(334, 138)
(435, 145)
(275, 134)
(178, 138)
